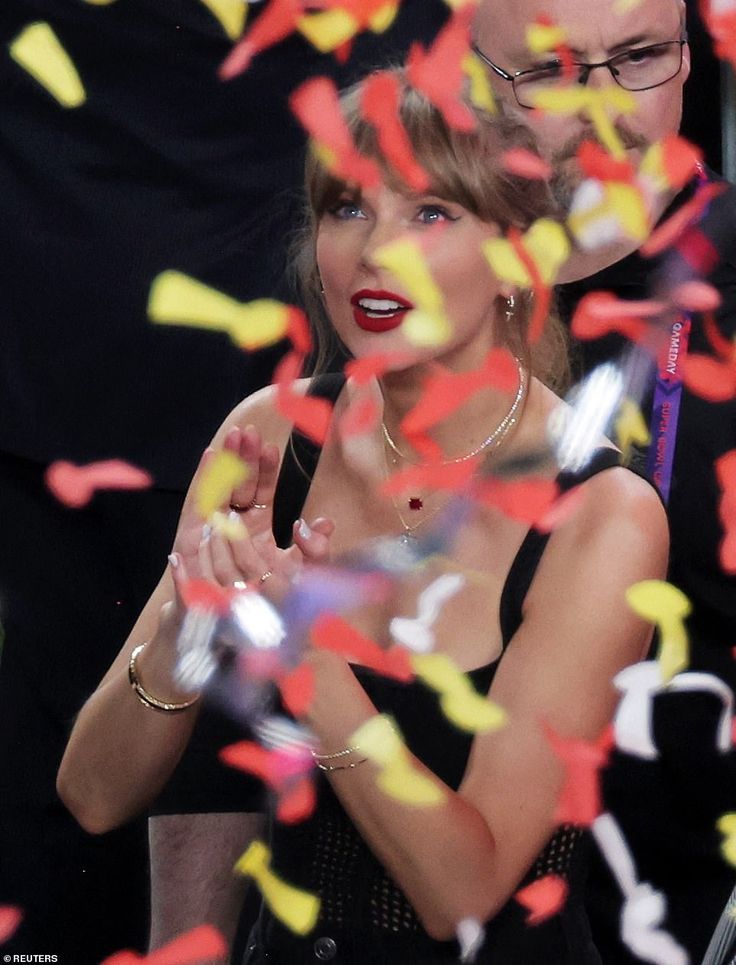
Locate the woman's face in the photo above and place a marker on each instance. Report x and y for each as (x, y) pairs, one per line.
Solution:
(367, 304)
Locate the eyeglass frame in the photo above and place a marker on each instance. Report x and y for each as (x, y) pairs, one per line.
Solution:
(587, 68)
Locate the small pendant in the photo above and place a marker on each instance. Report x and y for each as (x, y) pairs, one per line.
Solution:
(416, 503)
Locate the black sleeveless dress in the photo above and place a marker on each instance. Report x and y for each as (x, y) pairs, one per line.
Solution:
(365, 919)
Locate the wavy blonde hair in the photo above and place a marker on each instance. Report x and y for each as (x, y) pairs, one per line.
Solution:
(463, 167)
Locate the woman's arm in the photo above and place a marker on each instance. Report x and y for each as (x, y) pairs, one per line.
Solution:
(466, 857)
(121, 753)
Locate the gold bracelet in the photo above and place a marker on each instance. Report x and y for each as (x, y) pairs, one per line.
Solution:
(340, 767)
(331, 757)
(148, 700)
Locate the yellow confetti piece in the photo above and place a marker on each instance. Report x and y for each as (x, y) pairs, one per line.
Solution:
(426, 330)
(726, 824)
(626, 6)
(631, 428)
(99, 3)
(232, 529)
(613, 209)
(661, 603)
(546, 242)
(481, 92)
(460, 701)
(383, 18)
(405, 259)
(178, 299)
(223, 473)
(381, 742)
(38, 51)
(297, 909)
(327, 30)
(231, 14)
(597, 104)
(543, 38)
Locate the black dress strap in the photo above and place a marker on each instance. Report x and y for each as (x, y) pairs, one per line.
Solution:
(526, 561)
(299, 463)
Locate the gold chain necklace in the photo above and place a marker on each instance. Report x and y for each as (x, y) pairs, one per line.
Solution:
(494, 439)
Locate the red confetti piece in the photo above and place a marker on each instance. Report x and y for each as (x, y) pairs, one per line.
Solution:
(277, 21)
(309, 415)
(599, 313)
(527, 500)
(696, 296)
(374, 366)
(580, 798)
(542, 293)
(298, 330)
(669, 232)
(203, 595)
(725, 467)
(297, 689)
(453, 477)
(332, 633)
(712, 380)
(438, 72)
(380, 103)
(680, 159)
(543, 898)
(443, 391)
(722, 346)
(76, 485)
(316, 105)
(526, 164)
(297, 803)
(698, 251)
(10, 918)
(561, 510)
(195, 946)
(284, 770)
(360, 417)
(596, 162)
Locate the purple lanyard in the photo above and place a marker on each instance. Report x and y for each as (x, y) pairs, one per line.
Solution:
(666, 406)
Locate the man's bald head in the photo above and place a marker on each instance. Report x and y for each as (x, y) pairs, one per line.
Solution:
(595, 31)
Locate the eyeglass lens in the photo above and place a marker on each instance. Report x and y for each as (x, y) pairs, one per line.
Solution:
(636, 69)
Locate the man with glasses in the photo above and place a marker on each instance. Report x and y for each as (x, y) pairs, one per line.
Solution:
(668, 808)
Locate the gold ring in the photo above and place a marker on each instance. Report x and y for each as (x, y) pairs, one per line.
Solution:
(266, 576)
(239, 508)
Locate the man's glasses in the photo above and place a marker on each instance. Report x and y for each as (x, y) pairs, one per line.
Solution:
(638, 68)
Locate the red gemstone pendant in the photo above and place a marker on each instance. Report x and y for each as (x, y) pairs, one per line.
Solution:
(415, 503)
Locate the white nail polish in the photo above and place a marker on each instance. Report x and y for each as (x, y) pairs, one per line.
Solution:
(234, 517)
(173, 560)
(304, 531)
(206, 532)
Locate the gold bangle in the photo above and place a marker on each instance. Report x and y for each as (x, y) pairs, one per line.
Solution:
(148, 700)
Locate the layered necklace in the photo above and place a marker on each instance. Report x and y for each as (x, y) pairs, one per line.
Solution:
(414, 503)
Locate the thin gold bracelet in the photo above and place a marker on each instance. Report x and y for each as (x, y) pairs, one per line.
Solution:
(340, 767)
(148, 700)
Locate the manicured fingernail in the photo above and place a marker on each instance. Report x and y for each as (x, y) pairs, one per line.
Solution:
(206, 532)
(234, 517)
(304, 531)
(173, 560)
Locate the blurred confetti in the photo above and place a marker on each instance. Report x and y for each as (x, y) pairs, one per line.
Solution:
(380, 741)
(460, 701)
(196, 947)
(38, 51)
(178, 299)
(76, 485)
(231, 14)
(666, 606)
(223, 473)
(543, 898)
(296, 909)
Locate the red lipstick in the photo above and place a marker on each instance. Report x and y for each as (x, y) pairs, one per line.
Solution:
(378, 310)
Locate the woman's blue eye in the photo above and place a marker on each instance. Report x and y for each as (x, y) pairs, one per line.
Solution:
(433, 213)
(345, 210)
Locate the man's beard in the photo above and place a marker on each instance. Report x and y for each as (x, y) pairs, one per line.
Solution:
(567, 175)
